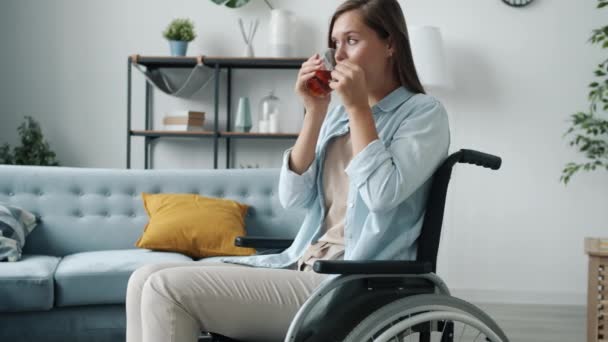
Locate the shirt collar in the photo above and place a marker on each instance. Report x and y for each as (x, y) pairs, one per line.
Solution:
(393, 100)
(389, 103)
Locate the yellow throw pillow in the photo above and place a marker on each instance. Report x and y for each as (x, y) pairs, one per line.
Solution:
(194, 225)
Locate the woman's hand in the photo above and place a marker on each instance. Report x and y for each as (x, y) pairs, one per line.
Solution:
(312, 104)
(349, 82)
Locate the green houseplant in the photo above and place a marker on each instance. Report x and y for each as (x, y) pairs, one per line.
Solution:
(34, 150)
(590, 128)
(179, 33)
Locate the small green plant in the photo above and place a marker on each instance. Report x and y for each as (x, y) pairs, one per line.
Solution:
(591, 128)
(180, 29)
(34, 150)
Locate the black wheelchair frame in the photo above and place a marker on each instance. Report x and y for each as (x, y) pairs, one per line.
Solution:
(364, 286)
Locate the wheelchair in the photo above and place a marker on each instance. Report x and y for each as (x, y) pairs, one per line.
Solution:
(384, 301)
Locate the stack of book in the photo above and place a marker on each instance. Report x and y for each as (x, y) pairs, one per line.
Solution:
(184, 121)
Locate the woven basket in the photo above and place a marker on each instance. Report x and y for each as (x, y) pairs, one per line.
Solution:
(597, 293)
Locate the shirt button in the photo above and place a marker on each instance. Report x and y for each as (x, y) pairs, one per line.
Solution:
(351, 204)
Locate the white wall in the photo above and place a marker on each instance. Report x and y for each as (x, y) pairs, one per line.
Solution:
(512, 235)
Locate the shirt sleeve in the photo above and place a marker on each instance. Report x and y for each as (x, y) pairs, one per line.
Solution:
(299, 191)
(296, 191)
(386, 176)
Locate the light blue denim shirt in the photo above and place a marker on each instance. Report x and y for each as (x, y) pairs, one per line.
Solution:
(389, 182)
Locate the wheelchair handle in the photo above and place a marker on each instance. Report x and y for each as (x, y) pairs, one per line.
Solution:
(480, 158)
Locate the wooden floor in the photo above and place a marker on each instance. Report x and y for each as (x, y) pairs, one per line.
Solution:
(539, 323)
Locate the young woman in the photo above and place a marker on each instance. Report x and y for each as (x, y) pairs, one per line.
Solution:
(362, 170)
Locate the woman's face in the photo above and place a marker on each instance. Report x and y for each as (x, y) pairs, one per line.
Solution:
(357, 43)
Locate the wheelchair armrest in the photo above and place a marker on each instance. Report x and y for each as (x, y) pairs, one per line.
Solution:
(372, 267)
(262, 242)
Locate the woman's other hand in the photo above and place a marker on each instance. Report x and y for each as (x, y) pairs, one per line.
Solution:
(348, 80)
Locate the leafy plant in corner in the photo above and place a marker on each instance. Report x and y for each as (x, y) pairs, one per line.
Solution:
(34, 150)
(590, 129)
(180, 29)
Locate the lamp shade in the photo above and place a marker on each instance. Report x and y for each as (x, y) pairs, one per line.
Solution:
(429, 56)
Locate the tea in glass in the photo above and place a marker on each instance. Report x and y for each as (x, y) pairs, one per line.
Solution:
(318, 85)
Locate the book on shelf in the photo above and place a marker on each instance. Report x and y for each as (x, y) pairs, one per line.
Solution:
(187, 113)
(184, 128)
(184, 121)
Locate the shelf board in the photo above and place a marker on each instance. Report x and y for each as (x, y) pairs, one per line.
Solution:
(211, 134)
(222, 62)
(256, 135)
(202, 134)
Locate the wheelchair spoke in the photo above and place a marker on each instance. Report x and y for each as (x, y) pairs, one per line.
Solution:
(464, 327)
(459, 331)
(444, 319)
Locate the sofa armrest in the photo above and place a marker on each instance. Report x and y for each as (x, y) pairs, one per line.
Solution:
(262, 242)
(372, 267)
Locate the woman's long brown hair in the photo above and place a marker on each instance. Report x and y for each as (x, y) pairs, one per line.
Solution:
(386, 18)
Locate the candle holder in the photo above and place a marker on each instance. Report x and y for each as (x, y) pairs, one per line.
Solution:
(269, 111)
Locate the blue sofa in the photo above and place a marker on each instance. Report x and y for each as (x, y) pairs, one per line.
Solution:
(71, 282)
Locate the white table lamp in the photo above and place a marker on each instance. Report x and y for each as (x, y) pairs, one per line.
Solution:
(429, 56)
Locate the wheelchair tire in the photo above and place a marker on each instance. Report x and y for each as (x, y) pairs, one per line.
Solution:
(408, 312)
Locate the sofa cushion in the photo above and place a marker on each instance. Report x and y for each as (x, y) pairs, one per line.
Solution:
(28, 283)
(15, 225)
(198, 226)
(101, 277)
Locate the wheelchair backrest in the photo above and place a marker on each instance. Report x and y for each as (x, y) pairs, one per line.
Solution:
(428, 241)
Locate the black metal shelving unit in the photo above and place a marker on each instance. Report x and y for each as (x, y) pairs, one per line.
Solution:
(217, 64)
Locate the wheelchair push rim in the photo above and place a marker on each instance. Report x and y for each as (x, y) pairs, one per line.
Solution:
(404, 319)
(477, 330)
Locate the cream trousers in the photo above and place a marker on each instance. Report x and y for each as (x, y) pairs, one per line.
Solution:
(175, 302)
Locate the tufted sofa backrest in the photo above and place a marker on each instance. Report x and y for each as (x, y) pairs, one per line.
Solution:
(85, 209)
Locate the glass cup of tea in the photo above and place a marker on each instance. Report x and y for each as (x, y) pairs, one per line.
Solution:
(318, 85)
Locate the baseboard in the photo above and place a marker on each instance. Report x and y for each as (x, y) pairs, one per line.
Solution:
(515, 297)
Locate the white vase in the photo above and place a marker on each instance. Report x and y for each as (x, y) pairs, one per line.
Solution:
(282, 33)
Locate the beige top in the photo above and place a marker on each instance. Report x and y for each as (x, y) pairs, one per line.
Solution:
(335, 189)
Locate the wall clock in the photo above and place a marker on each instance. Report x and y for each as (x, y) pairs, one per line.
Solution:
(517, 3)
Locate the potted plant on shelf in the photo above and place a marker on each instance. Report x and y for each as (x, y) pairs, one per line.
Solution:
(591, 127)
(179, 33)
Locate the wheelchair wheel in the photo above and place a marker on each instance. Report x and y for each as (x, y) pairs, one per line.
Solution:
(427, 318)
